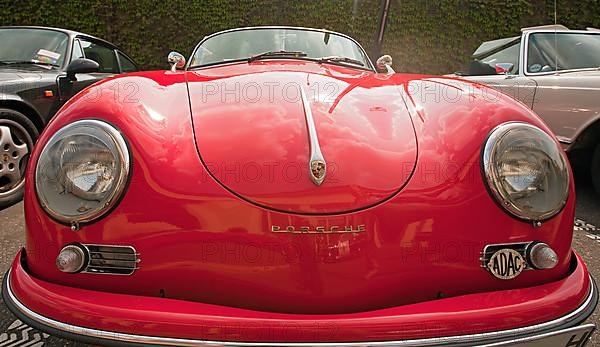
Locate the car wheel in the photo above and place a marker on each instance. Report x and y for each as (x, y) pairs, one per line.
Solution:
(17, 136)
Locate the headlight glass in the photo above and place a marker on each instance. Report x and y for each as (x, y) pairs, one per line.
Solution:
(526, 171)
(82, 171)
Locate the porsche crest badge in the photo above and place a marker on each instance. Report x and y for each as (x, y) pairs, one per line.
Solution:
(317, 171)
(506, 264)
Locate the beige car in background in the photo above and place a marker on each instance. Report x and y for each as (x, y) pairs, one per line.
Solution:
(556, 72)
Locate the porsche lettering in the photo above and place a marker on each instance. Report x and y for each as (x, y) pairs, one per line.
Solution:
(333, 229)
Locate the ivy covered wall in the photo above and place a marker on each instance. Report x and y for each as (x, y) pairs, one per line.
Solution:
(431, 36)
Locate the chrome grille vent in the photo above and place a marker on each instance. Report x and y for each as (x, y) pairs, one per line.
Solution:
(117, 260)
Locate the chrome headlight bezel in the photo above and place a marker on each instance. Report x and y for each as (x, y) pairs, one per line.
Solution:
(121, 152)
(494, 182)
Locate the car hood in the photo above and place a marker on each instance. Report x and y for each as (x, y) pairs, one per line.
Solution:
(252, 133)
(12, 74)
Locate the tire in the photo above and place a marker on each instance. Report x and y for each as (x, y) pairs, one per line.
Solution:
(18, 134)
(595, 172)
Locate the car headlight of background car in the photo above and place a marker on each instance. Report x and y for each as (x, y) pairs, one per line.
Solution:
(526, 171)
(82, 171)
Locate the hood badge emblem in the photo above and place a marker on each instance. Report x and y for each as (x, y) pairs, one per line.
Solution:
(317, 167)
(317, 171)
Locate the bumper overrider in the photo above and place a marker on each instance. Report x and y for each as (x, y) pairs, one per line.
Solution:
(126, 320)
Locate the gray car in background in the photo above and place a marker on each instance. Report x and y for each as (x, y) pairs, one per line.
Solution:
(556, 72)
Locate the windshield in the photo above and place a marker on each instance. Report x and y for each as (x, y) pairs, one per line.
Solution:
(570, 51)
(243, 44)
(33, 45)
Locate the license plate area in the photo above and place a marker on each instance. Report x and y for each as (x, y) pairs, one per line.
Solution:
(572, 337)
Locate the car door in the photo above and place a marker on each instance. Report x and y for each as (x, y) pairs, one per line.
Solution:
(514, 83)
(567, 102)
(97, 51)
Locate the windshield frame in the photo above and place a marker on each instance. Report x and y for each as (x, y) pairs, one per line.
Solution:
(525, 51)
(67, 58)
(369, 67)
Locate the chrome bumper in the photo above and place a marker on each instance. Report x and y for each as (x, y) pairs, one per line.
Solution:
(564, 331)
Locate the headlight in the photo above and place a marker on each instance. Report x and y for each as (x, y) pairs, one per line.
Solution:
(82, 171)
(526, 171)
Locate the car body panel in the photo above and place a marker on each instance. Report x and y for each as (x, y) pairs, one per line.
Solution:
(521, 88)
(27, 86)
(199, 230)
(569, 102)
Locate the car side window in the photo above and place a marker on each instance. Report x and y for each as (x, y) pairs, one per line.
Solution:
(77, 52)
(549, 51)
(509, 54)
(103, 55)
(126, 64)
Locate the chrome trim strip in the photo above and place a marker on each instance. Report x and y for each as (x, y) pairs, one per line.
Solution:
(564, 140)
(317, 161)
(512, 334)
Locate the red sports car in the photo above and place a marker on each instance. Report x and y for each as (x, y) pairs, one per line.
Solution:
(280, 190)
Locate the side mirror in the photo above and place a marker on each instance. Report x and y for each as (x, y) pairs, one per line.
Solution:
(176, 60)
(385, 63)
(81, 66)
(504, 68)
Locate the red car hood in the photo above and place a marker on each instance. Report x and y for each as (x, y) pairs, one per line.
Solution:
(252, 134)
